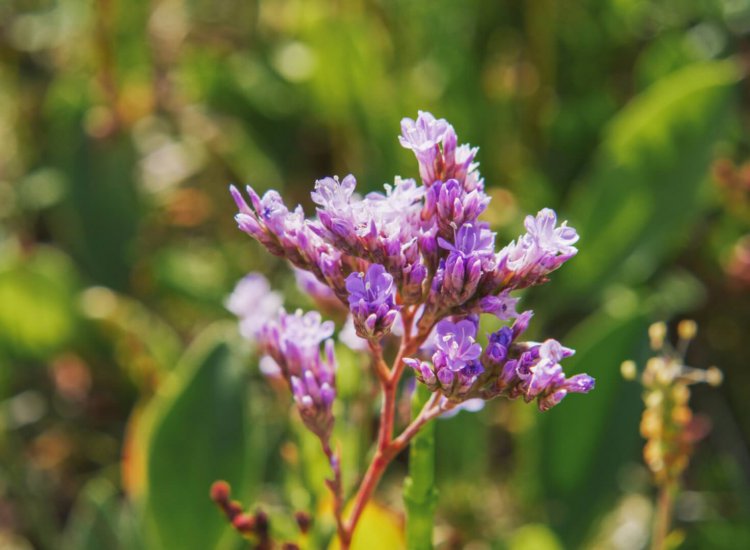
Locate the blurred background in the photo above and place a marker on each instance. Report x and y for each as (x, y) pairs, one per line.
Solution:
(122, 123)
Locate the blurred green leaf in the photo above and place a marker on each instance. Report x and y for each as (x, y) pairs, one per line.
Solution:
(198, 434)
(100, 519)
(37, 316)
(145, 345)
(585, 440)
(644, 191)
(534, 537)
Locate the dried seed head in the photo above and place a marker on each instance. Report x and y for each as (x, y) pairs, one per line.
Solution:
(687, 329)
(656, 333)
(714, 376)
(629, 370)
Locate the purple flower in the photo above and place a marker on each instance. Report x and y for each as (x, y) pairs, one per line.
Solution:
(539, 375)
(380, 228)
(503, 306)
(371, 302)
(450, 205)
(314, 392)
(543, 249)
(289, 235)
(468, 258)
(456, 344)
(293, 342)
(424, 136)
(434, 143)
(253, 301)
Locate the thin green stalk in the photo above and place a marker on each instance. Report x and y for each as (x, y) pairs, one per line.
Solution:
(420, 495)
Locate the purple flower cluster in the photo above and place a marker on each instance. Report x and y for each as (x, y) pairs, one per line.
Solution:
(371, 302)
(293, 342)
(461, 370)
(421, 253)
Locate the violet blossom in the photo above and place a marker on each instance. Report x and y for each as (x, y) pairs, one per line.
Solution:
(371, 302)
(254, 303)
(422, 250)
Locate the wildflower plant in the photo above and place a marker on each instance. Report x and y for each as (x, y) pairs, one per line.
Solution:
(668, 424)
(414, 264)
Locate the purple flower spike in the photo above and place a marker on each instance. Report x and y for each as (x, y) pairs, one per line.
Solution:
(450, 205)
(289, 235)
(434, 143)
(314, 394)
(543, 249)
(293, 340)
(544, 380)
(371, 302)
(424, 136)
(293, 343)
(470, 257)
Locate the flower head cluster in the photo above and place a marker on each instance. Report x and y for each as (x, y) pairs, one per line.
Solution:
(417, 253)
(668, 424)
(293, 342)
(371, 302)
(460, 370)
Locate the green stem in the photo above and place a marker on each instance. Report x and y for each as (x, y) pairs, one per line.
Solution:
(420, 495)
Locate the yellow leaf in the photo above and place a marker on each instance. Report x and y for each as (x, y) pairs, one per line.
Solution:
(378, 528)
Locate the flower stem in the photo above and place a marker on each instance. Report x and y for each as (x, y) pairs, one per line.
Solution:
(663, 517)
(420, 495)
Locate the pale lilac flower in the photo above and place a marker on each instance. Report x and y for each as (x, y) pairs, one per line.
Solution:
(293, 340)
(371, 302)
(380, 228)
(456, 344)
(254, 303)
(424, 136)
(543, 249)
(288, 234)
(502, 306)
(434, 143)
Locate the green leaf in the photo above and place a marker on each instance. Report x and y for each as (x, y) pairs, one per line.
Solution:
(420, 494)
(37, 316)
(198, 434)
(644, 191)
(100, 519)
(585, 440)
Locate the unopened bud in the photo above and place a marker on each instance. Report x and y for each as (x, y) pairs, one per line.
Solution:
(687, 329)
(656, 333)
(303, 520)
(714, 376)
(244, 523)
(261, 522)
(220, 492)
(233, 509)
(629, 370)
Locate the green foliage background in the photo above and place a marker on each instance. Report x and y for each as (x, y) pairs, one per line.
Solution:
(123, 389)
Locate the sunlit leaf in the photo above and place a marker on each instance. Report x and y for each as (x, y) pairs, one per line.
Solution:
(198, 435)
(586, 439)
(37, 316)
(643, 193)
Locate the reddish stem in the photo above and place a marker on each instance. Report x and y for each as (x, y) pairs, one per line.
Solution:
(387, 447)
